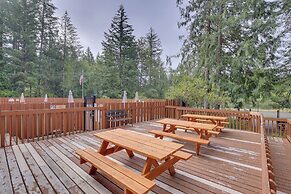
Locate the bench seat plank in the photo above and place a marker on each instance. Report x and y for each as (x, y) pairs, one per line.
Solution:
(180, 137)
(183, 155)
(209, 131)
(120, 174)
(194, 140)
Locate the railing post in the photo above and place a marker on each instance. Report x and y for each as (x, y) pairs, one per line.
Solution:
(104, 121)
(2, 131)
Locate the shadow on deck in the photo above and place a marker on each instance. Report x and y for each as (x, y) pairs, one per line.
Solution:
(231, 163)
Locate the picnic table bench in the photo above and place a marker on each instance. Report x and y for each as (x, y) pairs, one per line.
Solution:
(216, 120)
(160, 156)
(129, 180)
(118, 116)
(194, 140)
(204, 131)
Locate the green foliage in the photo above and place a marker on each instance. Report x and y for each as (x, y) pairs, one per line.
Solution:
(153, 80)
(189, 89)
(120, 57)
(232, 45)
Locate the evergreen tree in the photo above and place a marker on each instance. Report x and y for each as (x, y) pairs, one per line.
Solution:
(120, 57)
(88, 56)
(70, 47)
(47, 30)
(153, 77)
(228, 41)
(21, 45)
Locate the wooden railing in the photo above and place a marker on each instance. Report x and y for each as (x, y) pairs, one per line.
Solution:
(242, 120)
(29, 125)
(276, 127)
(268, 178)
(18, 126)
(139, 111)
(288, 129)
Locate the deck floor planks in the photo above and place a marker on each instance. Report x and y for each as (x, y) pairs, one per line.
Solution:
(58, 155)
(16, 178)
(59, 170)
(5, 181)
(281, 157)
(34, 166)
(69, 172)
(27, 175)
(91, 181)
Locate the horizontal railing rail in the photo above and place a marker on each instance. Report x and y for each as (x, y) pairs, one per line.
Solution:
(31, 100)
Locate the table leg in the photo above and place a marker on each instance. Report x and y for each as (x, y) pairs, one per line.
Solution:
(164, 127)
(92, 170)
(167, 165)
(129, 153)
(103, 147)
(171, 129)
(147, 166)
(198, 149)
(171, 168)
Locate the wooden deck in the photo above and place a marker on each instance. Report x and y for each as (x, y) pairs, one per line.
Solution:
(281, 159)
(230, 164)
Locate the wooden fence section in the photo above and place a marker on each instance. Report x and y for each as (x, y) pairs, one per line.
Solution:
(241, 120)
(18, 126)
(276, 127)
(29, 125)
(139, 111)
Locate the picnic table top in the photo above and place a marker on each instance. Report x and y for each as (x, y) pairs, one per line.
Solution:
(218, 118)
(147, 146)
(188, 124)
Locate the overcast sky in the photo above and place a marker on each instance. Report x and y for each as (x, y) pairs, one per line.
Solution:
(93, 17)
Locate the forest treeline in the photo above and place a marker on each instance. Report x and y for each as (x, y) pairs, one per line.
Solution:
(235, 53)
(41, 54)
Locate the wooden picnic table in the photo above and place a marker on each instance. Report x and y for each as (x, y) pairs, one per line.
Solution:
(202, 129)
(162, 155)
(214, 119)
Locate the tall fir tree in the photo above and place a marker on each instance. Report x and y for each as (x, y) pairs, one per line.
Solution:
(152, 72)
(120, 57)
(47, 39)
(70, 49)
